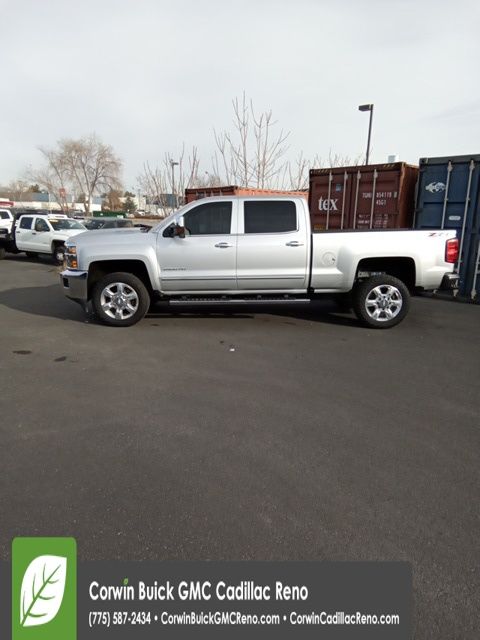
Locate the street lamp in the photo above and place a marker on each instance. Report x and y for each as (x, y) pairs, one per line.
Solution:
(368, 107)
(173, 164)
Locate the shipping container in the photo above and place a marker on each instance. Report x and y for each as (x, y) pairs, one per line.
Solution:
(448, 197)
(376, 196)
(234, 190)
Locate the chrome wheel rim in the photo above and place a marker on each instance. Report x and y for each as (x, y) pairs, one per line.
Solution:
(119, 301)
(383, 303)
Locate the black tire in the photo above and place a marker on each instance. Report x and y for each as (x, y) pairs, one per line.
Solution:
(383, 296)
(32, 255)
(58, 253)
(139, 303)
(2, 253)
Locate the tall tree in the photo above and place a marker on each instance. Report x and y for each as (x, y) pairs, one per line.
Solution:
(86, 165)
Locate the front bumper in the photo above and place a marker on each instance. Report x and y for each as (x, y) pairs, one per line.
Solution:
(75, 284)
(449, 282)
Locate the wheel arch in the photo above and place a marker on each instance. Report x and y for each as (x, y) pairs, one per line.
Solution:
(101, 268)
(403, 268)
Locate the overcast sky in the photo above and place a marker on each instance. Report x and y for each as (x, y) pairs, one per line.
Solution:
(147, 75)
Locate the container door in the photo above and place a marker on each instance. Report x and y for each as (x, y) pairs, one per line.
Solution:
(273, 246)
(329, 199)
(448, 198)
(205, 259)
(375, 199)
(442, 193)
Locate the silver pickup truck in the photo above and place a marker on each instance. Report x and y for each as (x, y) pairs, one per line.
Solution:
(253, 250)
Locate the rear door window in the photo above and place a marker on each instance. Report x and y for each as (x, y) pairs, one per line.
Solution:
(270, 216)
(26, 223)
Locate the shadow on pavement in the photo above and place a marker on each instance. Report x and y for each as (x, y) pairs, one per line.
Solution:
(317, 311)
(50, 302)
(42, 301)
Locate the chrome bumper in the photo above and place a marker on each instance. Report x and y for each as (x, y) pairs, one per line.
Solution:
(74, 284)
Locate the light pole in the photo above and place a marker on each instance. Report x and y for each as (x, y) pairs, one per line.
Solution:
(368, 107)
(173, 164)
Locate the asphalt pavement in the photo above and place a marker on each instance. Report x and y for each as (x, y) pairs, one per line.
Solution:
(279, 433)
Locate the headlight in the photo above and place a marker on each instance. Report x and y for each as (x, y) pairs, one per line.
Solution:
(71, 256)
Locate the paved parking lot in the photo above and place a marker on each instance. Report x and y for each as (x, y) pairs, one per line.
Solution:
(280, 434)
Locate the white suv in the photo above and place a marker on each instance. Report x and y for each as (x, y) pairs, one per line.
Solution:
(45, 234)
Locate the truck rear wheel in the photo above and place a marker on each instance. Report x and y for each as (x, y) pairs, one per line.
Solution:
(120, 299)
(381, 301)
(2, 253)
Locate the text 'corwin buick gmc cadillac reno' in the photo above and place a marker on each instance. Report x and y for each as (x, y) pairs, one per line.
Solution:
(226, 250)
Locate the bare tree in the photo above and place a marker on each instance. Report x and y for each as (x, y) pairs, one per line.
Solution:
(165, 184)
(254, 155)
(87, 165)
(52, 177)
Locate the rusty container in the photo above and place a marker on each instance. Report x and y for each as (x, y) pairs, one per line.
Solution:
(376, 196)
(233, 190)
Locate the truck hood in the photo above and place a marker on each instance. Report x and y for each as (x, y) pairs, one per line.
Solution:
(113, 237)
(64, 234)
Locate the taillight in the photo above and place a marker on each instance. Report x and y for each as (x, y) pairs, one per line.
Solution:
(451, 250)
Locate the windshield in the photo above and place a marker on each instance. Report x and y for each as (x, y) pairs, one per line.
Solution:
(66, 224)
(94, 224)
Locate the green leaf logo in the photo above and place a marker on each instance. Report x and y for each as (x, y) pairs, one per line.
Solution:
(43, 586)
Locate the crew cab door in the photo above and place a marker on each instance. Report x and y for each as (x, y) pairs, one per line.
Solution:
(273, 246)
(41, 236)
(205, 259)
(24, 234)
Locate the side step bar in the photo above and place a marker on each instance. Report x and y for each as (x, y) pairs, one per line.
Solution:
(235, 301)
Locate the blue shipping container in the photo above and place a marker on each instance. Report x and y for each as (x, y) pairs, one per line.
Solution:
(448, 197)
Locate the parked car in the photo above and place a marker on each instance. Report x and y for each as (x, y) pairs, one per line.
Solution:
(93, 224)
(254, 250)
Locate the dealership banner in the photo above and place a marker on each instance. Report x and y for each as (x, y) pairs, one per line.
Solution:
(46, 593)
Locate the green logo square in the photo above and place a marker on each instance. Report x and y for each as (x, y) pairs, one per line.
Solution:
(44, 589)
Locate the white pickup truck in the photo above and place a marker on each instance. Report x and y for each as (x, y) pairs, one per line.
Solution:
(46, 234)
(226, 250)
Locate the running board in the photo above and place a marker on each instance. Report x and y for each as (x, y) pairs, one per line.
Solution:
(234, 301)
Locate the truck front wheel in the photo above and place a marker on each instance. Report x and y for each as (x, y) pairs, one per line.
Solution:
(381, 301)
(120, 299)
(58, 253)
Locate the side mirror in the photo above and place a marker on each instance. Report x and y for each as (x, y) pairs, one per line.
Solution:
(179, 228)
(178, 231)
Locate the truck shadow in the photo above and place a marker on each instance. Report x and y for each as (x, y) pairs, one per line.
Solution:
(21, 257)
(50, 302)
(42, 301)
(317, 311)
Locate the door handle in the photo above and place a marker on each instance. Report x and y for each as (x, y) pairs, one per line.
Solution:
(223, 245)
(294, 243)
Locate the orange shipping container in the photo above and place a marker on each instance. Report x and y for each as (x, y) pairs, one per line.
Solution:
(376, 196)
(233, 190)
